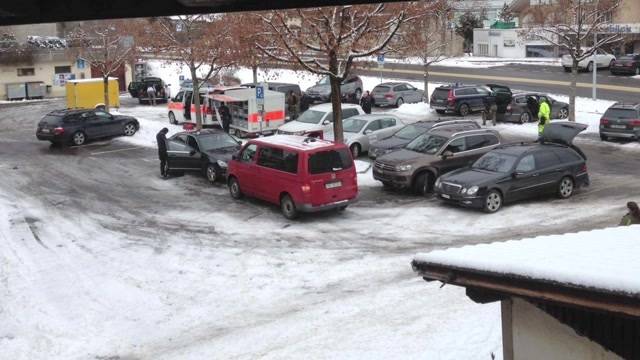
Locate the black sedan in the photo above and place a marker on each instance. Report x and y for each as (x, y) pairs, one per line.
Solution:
(406, 134)
(206, 151)
(76, 127)
(520, 171)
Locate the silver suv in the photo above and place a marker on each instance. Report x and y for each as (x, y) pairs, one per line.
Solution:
(436, 152)
(350, 89)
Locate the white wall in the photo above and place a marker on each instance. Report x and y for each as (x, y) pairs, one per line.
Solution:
(537, 335)
(44, 71)
(498, 37)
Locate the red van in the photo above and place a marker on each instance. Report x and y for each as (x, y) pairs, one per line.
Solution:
(301, 174)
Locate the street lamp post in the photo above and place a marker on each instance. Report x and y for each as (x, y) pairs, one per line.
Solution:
(595, 67)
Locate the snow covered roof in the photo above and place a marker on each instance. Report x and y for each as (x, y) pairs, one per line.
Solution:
(294, 141)
(603, 260)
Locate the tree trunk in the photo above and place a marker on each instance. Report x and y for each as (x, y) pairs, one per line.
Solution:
(196, 96)
(572, 92)
(336, 103)
(105, 88)
(426, 82)
(254, 70)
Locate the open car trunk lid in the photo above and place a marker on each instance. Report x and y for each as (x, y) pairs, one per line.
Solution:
(562, 132)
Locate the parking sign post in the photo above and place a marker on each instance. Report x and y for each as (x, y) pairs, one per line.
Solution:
(260, 104)
(381, 64)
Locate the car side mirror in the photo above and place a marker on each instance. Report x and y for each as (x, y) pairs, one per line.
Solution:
(517, 174)
(447, 154)
(368, 131)
(326, 122)
(235, 156)
(192, 152)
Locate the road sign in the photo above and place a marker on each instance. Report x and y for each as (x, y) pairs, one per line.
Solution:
(259, 95)
(381, 60)
(80, 63)
(181, 77)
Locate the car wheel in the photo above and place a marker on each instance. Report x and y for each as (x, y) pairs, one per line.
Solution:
(493, 201)
(463, 110)
(525, 118)
(387, 185)
(130, 129)
(342, 208)
(440, 111)
(567, 69)
(637, 71)
(355, 150)
(423, 184)
(399, 102)
(211, 173)
(590, 67)
(172, 119)
(611, 63)
(565, 188)
(563, 113)
(604, 137)
(234, 188)
(288, 207)
(78, 138)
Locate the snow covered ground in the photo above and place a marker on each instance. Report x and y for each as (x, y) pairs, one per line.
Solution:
(474, 62)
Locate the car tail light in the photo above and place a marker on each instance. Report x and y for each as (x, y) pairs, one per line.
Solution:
(509, 108)
(451, 98)
(58, 131)
(305, 188)
(388, 96)
(635, 122)
(604, 121)
(584, 168)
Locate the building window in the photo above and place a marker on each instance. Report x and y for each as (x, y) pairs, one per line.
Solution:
(26, 71)
(62, 69)
(483, 49)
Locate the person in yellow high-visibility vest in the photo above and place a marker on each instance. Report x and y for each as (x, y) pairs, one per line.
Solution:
(544, 116)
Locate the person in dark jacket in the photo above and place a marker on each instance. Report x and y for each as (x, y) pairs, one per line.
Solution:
(533, 107)
(292, 104)
(225, 116)
(366, 102)
(161, 139)
(633, 216)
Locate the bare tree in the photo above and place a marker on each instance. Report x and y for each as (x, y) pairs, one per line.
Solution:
(247, 31)
(326, 41)
(106, 46)
(571, 25)
(200, 42)
(424, 37)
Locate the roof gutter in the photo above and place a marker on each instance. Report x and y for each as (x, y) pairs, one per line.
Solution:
(509, 285)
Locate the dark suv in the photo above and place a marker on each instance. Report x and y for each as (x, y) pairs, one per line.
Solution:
(432, 154)
(621, 121)
(464, 99)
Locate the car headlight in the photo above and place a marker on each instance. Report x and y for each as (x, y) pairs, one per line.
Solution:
(403, 167)
(472, 190)
(221, 163)
(299, 133)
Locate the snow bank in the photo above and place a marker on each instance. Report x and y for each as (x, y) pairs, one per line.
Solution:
(602, 259)
(152, 119)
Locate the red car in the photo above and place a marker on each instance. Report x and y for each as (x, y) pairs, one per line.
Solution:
(301, 174)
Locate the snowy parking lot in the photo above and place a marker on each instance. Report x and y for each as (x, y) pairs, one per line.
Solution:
(103, 259)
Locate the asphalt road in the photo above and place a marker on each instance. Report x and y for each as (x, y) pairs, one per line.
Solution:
(551, 79)
(115, 179)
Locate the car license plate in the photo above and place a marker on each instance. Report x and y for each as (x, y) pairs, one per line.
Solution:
(446, 196)
(45, 130)
(618, 126)
(333, 185)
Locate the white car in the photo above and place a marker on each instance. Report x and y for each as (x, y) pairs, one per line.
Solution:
(318, 118)
(603, 60)
(361, 130)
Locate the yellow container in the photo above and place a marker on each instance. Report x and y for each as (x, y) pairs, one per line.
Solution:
(87, 93)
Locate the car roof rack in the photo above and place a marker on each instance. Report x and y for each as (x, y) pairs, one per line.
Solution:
(452, 122)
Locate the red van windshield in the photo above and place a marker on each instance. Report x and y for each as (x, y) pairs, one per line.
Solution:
(330, 161)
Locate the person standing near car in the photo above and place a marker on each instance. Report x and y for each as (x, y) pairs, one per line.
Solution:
(161, 139)
(633, 216)
(225, 116)
(292, 104)
(544, 114)
(366, 102)
(532, 106)
(151, 93)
